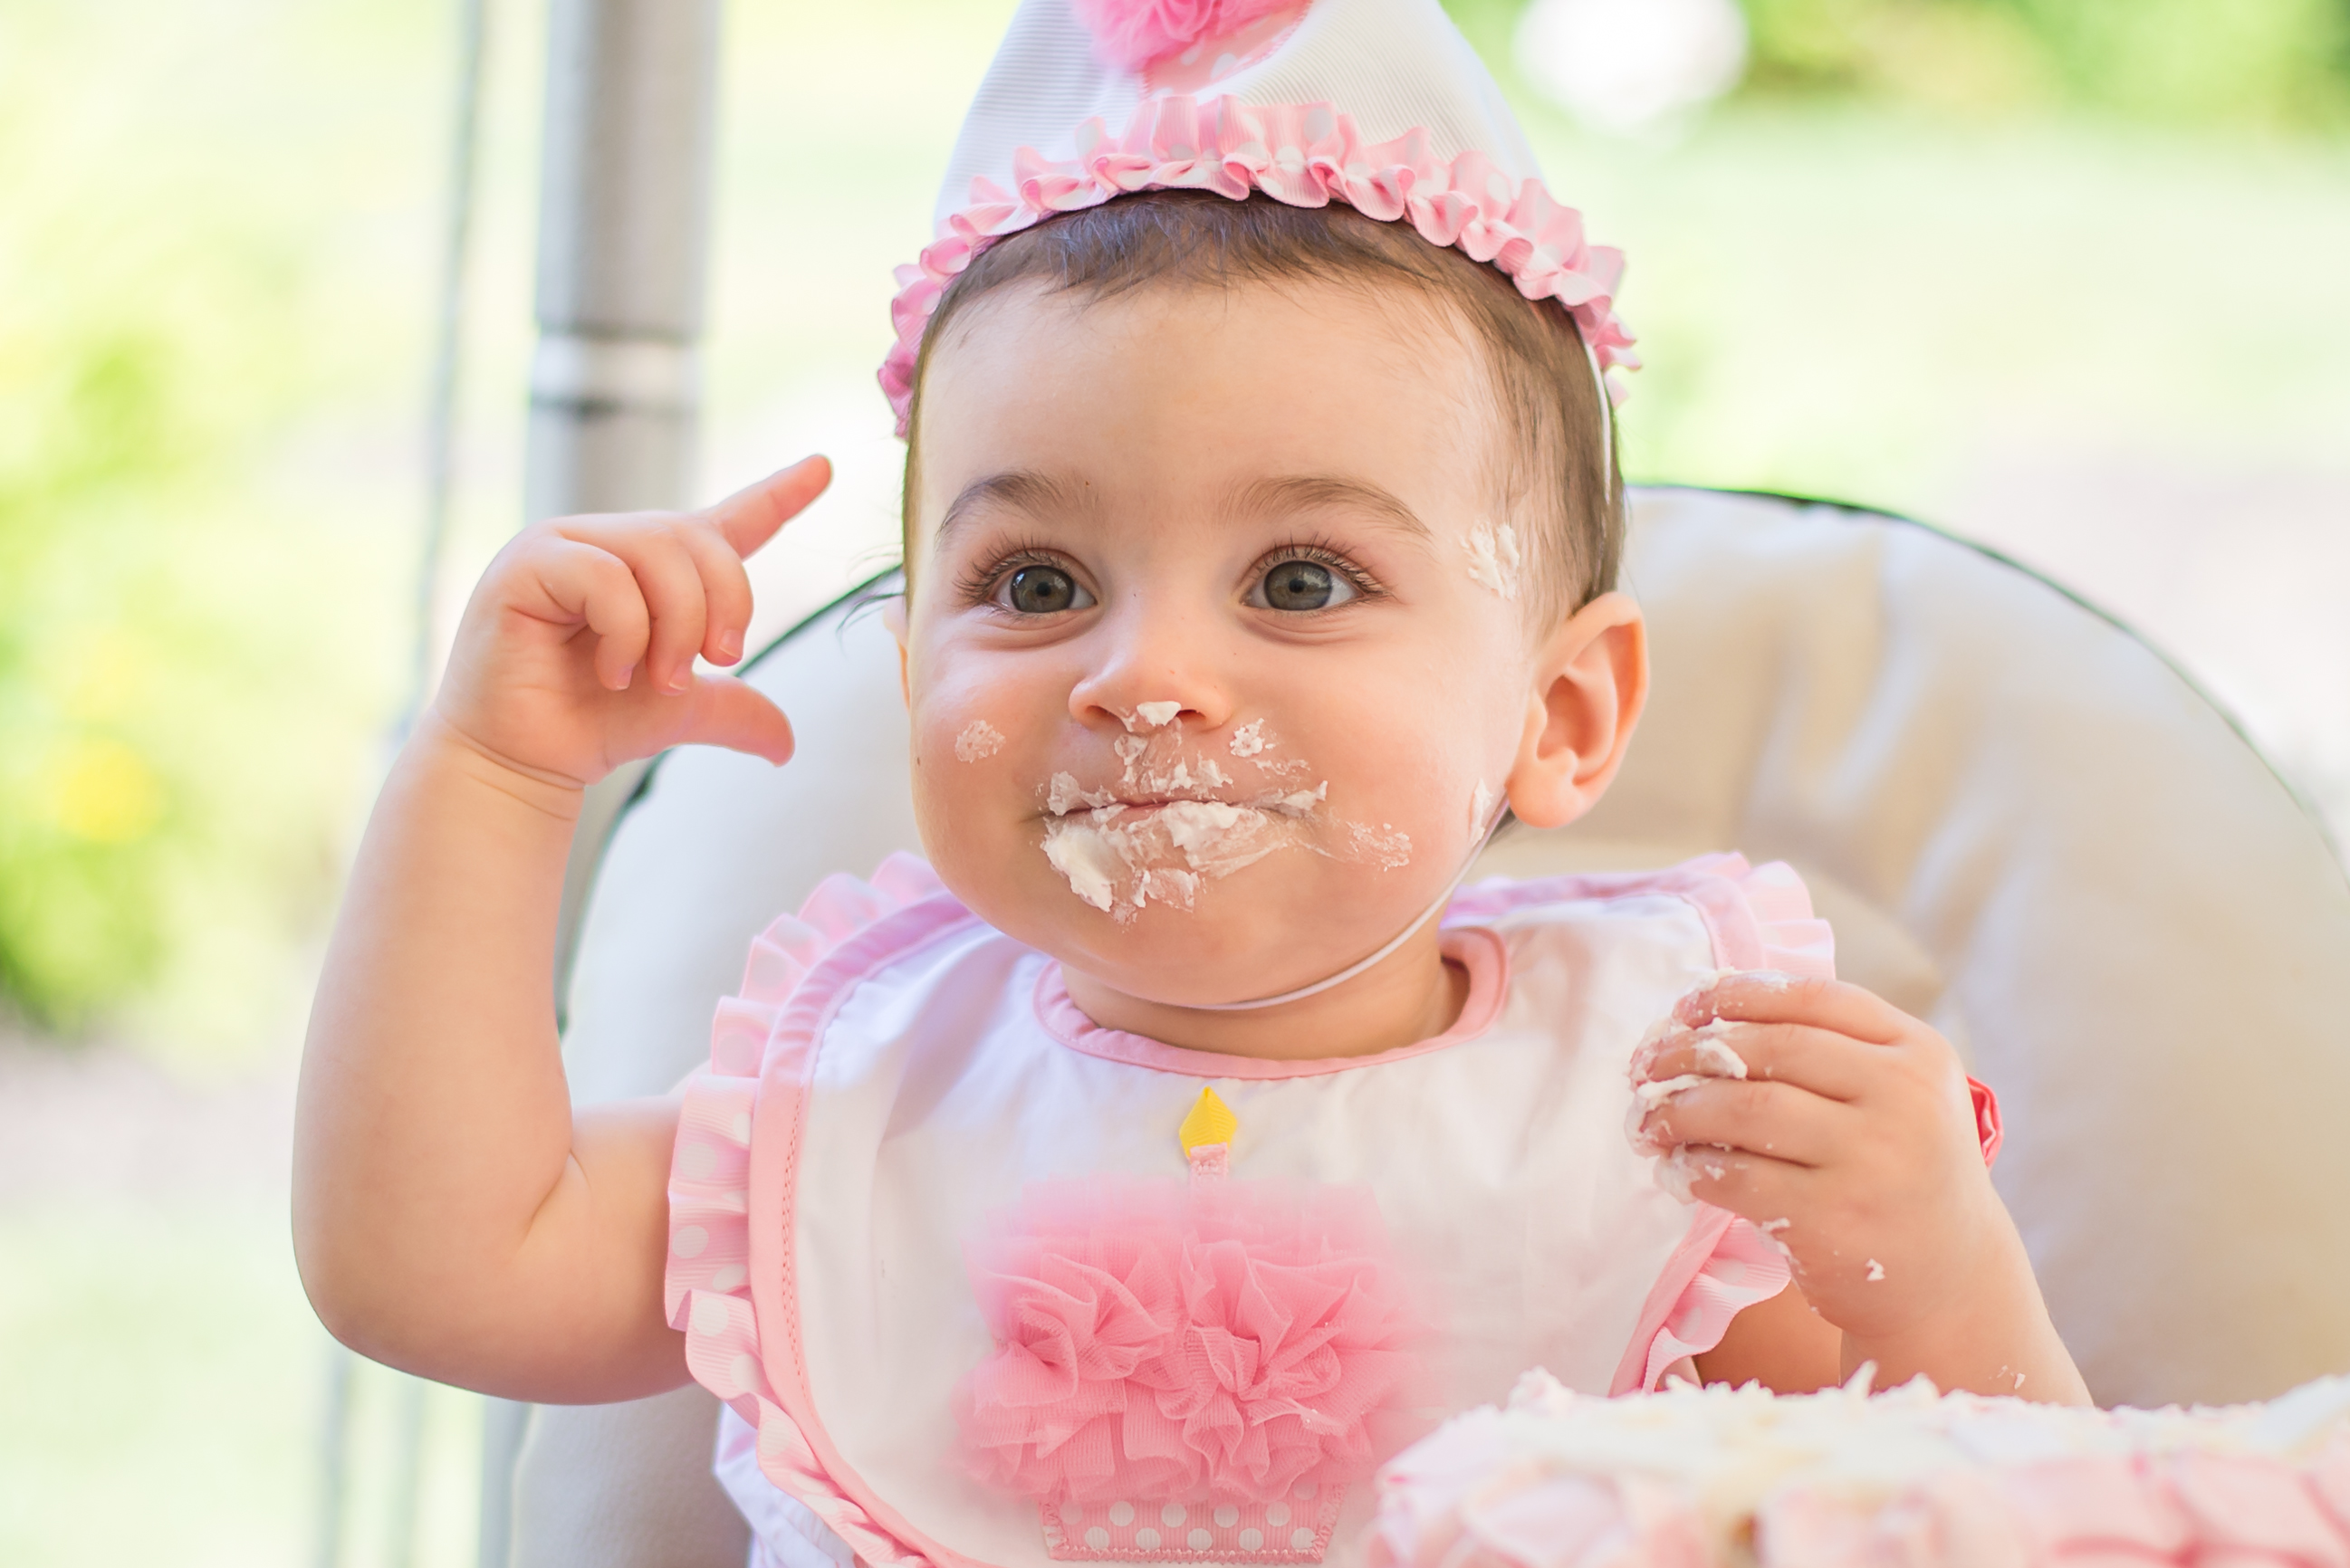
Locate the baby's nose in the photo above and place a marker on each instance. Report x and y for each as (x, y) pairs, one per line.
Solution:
(1150, 706)
(1154, 715)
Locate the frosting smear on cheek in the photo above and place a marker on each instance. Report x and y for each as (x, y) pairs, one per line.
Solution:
(1495, 558)
(979, 740)
(1121, 856)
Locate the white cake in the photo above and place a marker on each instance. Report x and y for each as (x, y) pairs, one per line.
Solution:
(1692, 1478)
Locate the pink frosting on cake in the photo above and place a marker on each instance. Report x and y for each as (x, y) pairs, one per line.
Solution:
(1908, 1479)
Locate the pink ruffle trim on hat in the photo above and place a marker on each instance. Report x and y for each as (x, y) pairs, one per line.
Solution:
(1306, 154)
(707, 1286)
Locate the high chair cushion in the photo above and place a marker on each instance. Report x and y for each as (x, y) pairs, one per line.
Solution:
(2023, 825)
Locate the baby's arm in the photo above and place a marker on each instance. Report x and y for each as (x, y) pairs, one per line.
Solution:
(452, 1215)
(1852, 1139)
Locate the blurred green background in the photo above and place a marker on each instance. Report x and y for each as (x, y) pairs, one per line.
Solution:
(2065, 277)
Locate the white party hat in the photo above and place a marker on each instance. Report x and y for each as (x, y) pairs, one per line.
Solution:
(1381, 104)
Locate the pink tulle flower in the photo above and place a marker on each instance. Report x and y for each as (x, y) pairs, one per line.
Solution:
(1230, 1340)
(1130, 34)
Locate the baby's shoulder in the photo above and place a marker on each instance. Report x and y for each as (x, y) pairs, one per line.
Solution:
(1749, 917)
(847, 926)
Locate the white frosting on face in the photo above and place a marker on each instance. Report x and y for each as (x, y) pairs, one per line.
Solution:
(1386, 847)
(1481, 810)
(1876, 1273)
(1157, 715)
(1063, 796)
(1086, 856)
(1122, 858)
(1169, 823)
(1495, 558)
(979, 739)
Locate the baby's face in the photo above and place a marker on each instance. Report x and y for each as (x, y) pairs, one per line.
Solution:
(1216, 659)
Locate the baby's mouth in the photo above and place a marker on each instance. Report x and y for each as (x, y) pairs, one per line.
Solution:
(1065, 797)
(1124, 855)
(1175, 817)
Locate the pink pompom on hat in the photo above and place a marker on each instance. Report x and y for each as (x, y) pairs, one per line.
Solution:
(1381, 104)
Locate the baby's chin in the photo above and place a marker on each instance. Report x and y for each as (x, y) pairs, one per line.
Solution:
(1258, 932)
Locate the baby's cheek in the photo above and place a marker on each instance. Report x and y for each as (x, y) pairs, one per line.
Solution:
(1430, 803)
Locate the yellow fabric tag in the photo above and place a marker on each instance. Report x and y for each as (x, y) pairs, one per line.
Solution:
(1209, 1121)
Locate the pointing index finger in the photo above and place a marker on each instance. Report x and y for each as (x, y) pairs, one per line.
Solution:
(750, 518)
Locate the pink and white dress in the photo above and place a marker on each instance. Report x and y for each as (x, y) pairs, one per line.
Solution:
(971, 1300)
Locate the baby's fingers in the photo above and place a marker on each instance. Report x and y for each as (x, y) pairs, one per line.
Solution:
(1765, 998)
(750, 518)
(1774, 1119)
(595, 588)
(726, 713)
(669, 582)
(1833, 1065)
(725, 590)
(1756, 1187)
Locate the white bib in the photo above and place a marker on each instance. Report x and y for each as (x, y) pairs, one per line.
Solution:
(899, 1083)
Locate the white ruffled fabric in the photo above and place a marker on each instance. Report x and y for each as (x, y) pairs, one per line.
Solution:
(706, 1291)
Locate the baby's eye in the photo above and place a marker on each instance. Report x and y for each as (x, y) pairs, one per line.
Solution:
(1301, 584)
(1042, 590)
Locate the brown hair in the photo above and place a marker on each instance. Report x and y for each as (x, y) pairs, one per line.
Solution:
(1561, 459)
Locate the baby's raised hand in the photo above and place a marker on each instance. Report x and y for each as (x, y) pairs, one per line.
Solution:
(1852, 1139)
(575, 653)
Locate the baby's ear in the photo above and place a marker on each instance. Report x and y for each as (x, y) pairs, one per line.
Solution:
(1590, 682)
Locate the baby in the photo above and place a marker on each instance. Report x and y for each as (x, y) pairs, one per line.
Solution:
(1129, 1180)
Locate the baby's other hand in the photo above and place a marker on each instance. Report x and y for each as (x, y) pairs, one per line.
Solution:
(575, 653)
(1852, 1139)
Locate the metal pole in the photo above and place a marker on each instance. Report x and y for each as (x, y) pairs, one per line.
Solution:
(623, 252)
(624, 218)
(614, 385)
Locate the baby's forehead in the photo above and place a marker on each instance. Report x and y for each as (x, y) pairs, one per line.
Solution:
(1248, 394)
(1084, 505)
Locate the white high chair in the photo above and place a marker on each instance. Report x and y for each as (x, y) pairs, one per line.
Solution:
(2023, 825)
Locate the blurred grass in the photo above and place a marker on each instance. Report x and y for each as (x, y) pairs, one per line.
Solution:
(191, 655)
(2264, 63)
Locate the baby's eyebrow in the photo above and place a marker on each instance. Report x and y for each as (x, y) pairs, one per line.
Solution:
(1324, 492)
(1020, 489)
